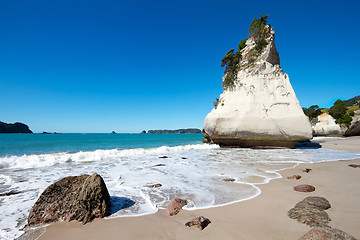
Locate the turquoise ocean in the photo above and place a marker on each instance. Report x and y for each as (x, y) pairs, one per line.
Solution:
(129, 162)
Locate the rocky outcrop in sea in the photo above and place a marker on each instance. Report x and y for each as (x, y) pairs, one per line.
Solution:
(258, 106)
(14, 128)
(178, 131)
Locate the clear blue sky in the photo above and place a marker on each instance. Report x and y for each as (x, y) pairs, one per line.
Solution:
(98, 66)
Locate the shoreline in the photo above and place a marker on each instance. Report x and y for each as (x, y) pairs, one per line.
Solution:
(261, 217)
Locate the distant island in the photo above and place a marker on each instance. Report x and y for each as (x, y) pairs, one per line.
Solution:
(178, 131)
(14, 128)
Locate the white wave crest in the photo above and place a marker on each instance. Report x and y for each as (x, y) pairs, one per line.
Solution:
(46, 160)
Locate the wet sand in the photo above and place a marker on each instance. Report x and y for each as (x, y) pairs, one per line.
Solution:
(263, 217)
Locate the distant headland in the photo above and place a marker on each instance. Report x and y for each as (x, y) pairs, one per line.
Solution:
(178, 131)
(14, 128)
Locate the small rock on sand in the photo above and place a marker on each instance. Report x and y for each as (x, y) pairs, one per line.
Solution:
(297, 177)
(354, 165)
(199, 222)
(304, 188)
(175, 206)
(307, 170)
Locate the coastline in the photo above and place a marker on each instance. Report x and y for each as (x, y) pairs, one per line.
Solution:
(263, 217)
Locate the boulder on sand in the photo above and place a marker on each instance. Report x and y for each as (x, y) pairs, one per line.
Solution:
(80, 198)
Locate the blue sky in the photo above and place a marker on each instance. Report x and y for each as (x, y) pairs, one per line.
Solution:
(98, 66)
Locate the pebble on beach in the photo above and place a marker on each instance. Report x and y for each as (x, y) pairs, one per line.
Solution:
(304, 188)
(297, 177)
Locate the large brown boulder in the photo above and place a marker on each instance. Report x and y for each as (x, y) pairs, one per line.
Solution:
(310, 211)
(80, 198)
(327, 233)
(314, 202)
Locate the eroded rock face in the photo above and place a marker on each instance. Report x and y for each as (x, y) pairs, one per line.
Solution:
(261, 109)
(326, 233)
(80, 198)
(354, 130)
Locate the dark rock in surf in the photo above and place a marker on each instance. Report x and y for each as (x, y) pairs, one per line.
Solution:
(229, 179)
(153, 185)
(175, 205)
(12, 192)
(80, 198)
(159, 165)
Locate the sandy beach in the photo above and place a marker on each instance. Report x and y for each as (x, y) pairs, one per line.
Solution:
(263, 217)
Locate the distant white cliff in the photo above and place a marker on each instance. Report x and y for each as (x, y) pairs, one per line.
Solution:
(258, 106)
(325, 125)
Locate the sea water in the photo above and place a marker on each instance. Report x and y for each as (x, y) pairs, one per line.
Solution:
(129, 162)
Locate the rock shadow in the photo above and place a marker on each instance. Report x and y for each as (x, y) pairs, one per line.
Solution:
(308, 145)
(118, 203)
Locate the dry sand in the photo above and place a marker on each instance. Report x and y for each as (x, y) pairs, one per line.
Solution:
(264, 217)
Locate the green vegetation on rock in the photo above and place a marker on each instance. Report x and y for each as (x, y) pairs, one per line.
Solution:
(339, 112)
(258, 31)
(312, 112)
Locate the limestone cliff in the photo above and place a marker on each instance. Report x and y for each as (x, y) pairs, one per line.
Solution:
(325, 125)
(259, 108)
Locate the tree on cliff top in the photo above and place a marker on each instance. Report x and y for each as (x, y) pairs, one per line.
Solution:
(312, 112)
(231, 61)
(338, 111)
(258, 29)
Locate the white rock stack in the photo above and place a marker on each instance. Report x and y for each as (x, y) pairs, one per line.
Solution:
(261, 108)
